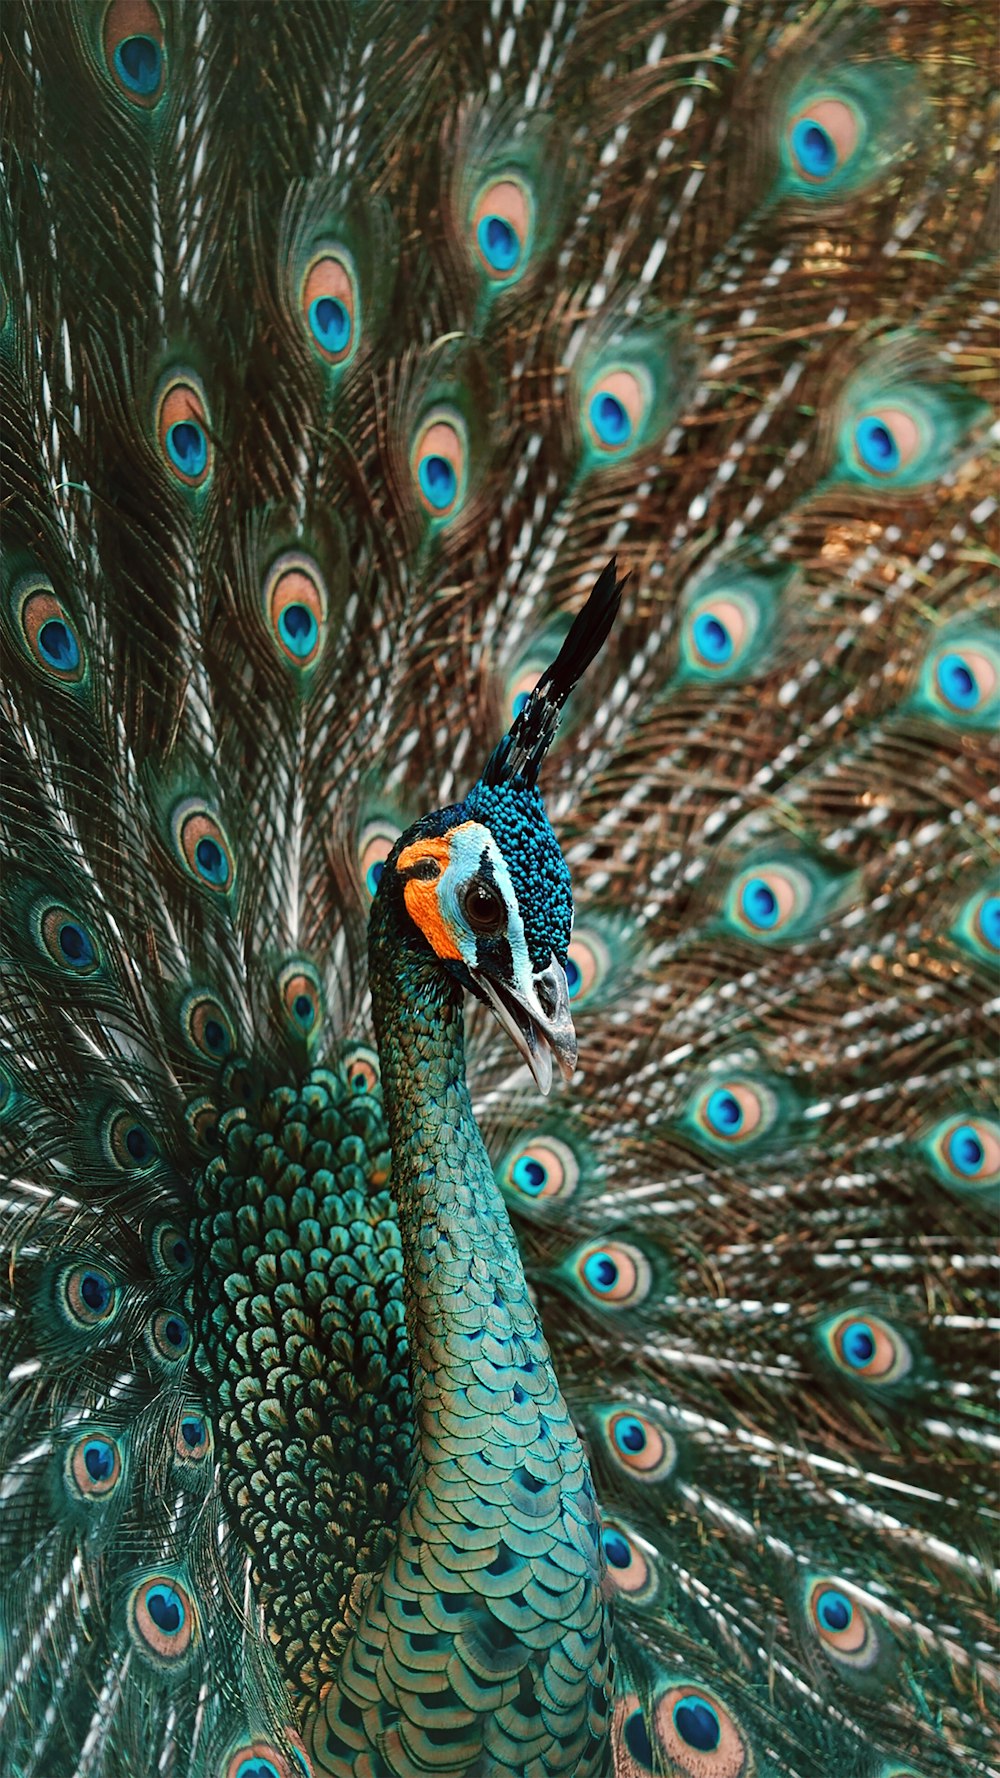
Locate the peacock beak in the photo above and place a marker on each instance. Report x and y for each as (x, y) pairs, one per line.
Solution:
(536, 1016)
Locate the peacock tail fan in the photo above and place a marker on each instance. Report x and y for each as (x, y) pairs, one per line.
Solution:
(342, 348)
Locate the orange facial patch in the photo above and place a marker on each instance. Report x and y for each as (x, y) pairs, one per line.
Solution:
(420, 893)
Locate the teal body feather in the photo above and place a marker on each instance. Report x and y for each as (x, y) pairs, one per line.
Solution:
(340, 348)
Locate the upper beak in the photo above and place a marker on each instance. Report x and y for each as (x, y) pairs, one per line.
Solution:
(537, 1018)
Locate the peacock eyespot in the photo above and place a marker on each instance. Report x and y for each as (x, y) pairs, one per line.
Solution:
(768, 901)
(330, 306)
(182, 430)
(439, 462)
(886, 441)
(822, 139)
(134, 50)
(483, 908)
(169, 1336)
(614, 1273)
(639, 1446)
(206, 1026)
(127, 1142)
(616, 409)
(295, 602)
(502, 224)
(720, 627)
(162, 1618)
(700, 1736)
(48, 633)
(843, 1626)
(866, 1348)
(298, 985)
(542, 1169)
(965, 1152)
(193, 1440)
(734, 1111)
(69, 942)
(172, 1250)
(376, 841)
(360, 1065)
(94, 1467)
(89, 1296)
(202, 845)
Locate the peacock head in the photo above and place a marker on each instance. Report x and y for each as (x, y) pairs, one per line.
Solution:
(483, 885)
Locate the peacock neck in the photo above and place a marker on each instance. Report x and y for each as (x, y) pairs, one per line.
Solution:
(498, 1544)
(462, 1271)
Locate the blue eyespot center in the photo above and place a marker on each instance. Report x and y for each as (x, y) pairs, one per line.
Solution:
(957, 682)
(858, 1345)
(574, 978)
(519, 702)
(965, 1150)
(712, 639)
(630, 1435)
(75, 945)
(529, 1175)
(331, 323)
(180, 1251)
(438, 481)
(166, 1608)
(834, 1611)
(724, 1112)
(697, 1724)
(610, 420)
(759, 903)
(139, 1143)
(298, 628)
(99, 1459)
(211, 860)
(498, 243)
(616, 1549)
(601, 1272)
(876, 445)
(814, 148)
(374, 875)
(187, 448)
(637, 1740)
(95, 1292)
(215, 1036)
(59, 645)
(138, 60)
(304, 1009)
(193, 1431)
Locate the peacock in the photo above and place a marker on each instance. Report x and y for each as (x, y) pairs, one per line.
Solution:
(497, 548)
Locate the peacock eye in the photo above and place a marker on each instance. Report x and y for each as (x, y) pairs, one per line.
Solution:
(483, 908)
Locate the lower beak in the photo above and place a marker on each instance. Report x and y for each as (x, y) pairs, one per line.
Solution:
(537, 1018)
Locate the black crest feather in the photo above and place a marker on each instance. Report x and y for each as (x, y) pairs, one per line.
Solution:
(520, 753)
